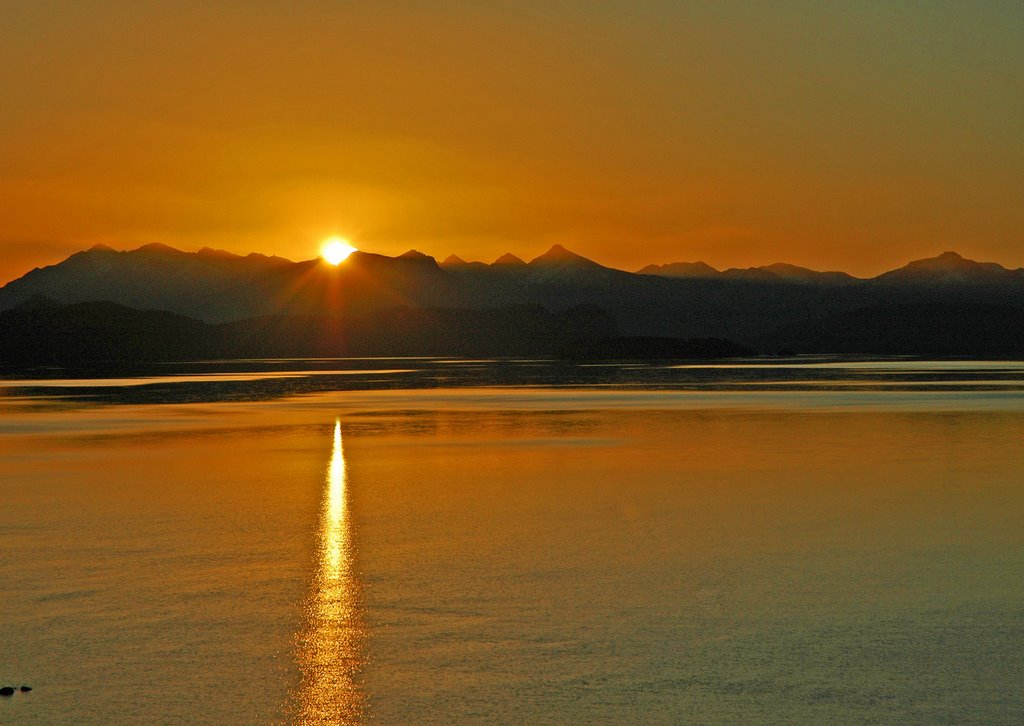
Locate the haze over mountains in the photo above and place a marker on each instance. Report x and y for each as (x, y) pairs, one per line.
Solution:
(942, 305)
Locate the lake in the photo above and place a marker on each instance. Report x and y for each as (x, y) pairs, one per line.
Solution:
(514, 541)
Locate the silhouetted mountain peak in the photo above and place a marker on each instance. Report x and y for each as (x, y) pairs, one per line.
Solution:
(951, 267)
(945, 261)
(509, 259)
(787, 271)
(559, 252)
(784, 269)
(418, 259)
(259, 256)
(158, 248)
(212, 253)
(559, 256)
(457, 264)
(100, 247)
(766, 273)
(680, 269)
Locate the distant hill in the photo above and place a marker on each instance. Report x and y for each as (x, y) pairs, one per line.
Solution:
(42, 332)
(785, 271)
(763, 307)
(779, 271)
(680, 269)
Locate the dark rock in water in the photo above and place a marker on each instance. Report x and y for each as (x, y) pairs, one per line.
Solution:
(6, 691)
(26, 689)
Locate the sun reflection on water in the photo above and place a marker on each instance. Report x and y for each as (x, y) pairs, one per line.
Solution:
(330, 647)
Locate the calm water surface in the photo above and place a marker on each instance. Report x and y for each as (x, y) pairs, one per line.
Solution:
(408, 542)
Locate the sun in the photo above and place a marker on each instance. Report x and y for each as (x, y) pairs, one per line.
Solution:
(336, 250)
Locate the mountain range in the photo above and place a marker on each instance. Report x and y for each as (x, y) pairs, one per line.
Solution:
(945, 304)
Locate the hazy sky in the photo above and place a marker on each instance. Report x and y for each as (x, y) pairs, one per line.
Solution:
(852, 135)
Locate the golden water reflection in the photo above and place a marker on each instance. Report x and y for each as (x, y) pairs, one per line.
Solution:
(330, 647)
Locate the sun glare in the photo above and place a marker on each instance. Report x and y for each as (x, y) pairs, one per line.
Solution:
(336, 250)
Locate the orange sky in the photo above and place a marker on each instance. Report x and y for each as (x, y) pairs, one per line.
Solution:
(834, 135)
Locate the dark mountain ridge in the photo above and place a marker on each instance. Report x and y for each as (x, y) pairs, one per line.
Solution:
(767, 308)
(780, 271)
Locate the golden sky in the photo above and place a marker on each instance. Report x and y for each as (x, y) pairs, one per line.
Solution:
(834, 135)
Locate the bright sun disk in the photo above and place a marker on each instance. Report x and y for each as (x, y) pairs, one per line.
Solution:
(335, 250)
